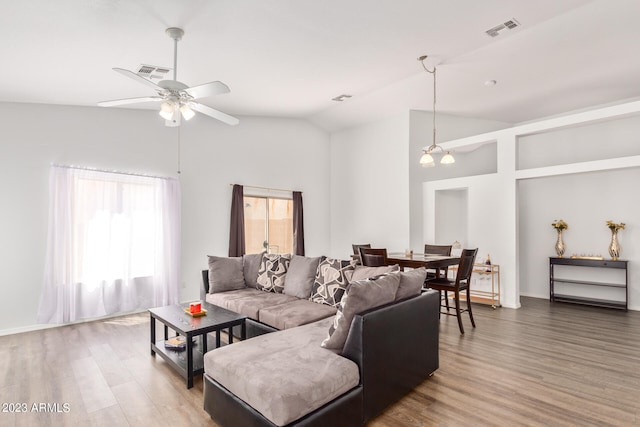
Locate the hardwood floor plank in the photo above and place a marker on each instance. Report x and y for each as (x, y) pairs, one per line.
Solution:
(108, 417)
(542, 365)
(137, 407)
(96, 393)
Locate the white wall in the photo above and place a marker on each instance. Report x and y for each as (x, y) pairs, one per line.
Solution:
(581, 167)
(451, 214)
(585, 200)
(486, 223)
(376, 178)
(266, 152)
(278, 153)
(448, 127)
(370, 186)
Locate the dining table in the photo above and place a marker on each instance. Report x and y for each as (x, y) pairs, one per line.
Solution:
(416, 260)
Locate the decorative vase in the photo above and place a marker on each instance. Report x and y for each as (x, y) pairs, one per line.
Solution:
(614, 246)
(560, 245)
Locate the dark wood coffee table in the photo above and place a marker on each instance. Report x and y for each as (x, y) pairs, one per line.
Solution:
(189, 362)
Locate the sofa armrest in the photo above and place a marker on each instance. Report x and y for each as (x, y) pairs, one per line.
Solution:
(204, 290)
(396, 348)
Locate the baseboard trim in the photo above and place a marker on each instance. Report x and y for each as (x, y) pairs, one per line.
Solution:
(39, 327)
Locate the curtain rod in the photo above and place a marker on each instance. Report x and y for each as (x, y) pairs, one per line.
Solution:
(109, 171)
(263, 188)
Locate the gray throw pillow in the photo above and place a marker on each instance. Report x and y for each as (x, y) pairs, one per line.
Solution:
(272, 272)
(225, 274)
(361, 295)
(300, 276)
(331, 281)
(362, 272)
(250, 266)
(411, 283)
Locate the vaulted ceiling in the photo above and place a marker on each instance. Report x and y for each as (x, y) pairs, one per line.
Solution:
(290, 58)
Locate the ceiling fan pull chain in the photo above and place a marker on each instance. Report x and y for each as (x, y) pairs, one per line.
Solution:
(179, 150)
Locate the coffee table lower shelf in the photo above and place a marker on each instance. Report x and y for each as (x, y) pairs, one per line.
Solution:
(178, 359)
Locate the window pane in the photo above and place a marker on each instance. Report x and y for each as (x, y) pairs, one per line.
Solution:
(281, 226)
(255, 219)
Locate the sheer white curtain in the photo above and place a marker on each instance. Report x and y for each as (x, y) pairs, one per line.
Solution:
(113, 244)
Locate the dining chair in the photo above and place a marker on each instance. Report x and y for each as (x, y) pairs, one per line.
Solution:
(462, 282)
(437, 250)
(373, 257)
(356, 251)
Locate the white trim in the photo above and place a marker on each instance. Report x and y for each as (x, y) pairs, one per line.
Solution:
(39, 327)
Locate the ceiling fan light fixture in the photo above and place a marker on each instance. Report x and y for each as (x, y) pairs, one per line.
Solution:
(176, 98)
(167, 109)
(187, 112)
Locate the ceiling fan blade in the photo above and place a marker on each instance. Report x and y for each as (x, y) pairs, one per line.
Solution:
(207, 89)
(219, 115)
(137, 78)
(125, 101)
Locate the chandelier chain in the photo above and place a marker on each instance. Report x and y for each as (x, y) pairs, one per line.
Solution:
(422, 58)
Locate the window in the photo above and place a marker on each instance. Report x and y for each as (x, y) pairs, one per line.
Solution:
(268, 224)
(113, 245)
(113, 230)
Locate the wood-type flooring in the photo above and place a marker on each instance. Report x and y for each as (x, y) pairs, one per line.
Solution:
(542, 365)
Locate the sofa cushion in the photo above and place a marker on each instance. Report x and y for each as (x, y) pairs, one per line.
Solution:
(272, 272)
(361, 295)
(294, 313)
(221, 299)
(300, 276)
(361, 272)
(283, 375)
(251, 304)
(225, 274)
(331, 280)
(411, 283)
(250, 267)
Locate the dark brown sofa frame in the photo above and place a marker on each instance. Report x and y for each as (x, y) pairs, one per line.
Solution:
(395, 348)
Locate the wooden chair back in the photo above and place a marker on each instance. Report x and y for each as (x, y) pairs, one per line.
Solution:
(437, 249)
(373, 257)
(356, 252)
(465, 268)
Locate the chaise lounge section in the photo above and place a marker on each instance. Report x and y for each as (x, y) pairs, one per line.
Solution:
(375, 343)
(287, 379)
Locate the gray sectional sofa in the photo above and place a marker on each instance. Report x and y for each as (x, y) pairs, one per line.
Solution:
(346, 342)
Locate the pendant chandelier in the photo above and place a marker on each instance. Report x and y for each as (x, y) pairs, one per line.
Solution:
(427, 161)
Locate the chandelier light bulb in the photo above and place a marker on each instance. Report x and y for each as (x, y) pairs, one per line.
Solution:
(426, 161)
(447, 159)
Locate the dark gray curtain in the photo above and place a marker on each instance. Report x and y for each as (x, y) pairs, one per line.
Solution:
(236, 233)
(298, 224)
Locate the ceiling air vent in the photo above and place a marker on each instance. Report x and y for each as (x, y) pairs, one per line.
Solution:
(341, 97)
(508, 25)
(152, 71)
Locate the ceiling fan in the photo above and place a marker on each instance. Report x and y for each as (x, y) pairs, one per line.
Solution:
(176, 98)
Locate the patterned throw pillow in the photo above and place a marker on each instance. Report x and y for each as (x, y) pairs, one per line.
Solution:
(272, 272)
(332, 278)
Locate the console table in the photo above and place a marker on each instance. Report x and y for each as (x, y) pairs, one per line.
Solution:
(593, 263)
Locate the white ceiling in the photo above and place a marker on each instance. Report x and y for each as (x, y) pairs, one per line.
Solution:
(289, 58)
